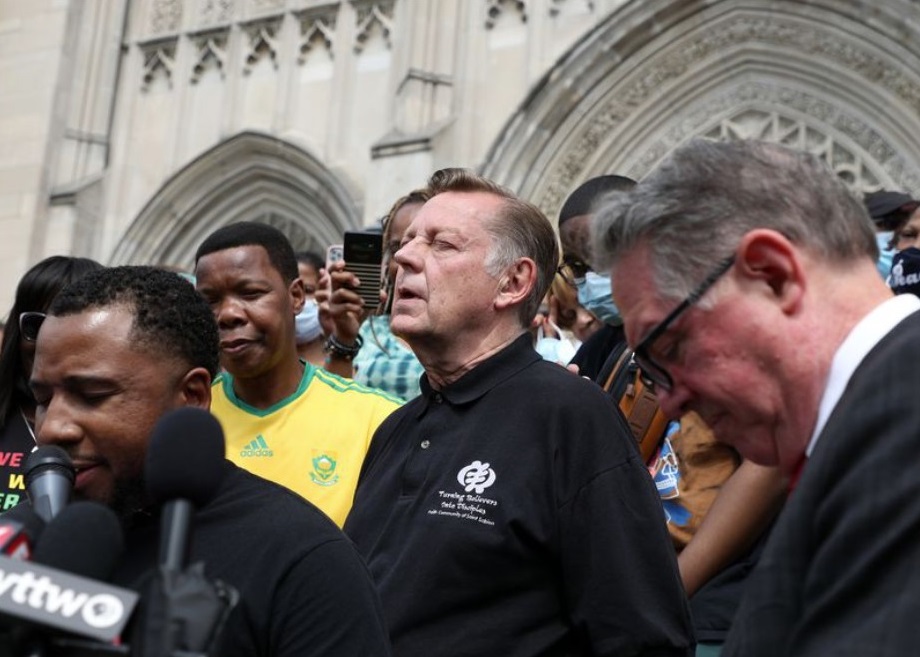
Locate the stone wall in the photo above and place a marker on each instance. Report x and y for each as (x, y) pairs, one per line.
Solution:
(132, 129)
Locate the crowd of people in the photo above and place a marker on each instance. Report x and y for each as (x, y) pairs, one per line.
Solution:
(450, 473)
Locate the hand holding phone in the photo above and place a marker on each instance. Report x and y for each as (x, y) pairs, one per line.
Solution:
(363, 253)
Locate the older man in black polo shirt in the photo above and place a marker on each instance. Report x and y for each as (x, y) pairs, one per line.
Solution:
(506, 510)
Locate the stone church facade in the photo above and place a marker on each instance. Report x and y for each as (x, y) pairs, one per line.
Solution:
(132, 128)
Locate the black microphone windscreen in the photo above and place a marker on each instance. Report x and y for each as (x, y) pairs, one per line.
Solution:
(84, 539)
(185, 458)
(47, 456)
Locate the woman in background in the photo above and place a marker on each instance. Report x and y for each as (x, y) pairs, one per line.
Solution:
(34, 294)
(383, 361)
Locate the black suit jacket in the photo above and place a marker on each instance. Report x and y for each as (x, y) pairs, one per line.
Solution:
(841, 572)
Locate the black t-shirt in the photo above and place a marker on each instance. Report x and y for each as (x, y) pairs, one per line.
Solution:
(303, 588)
(510, 514)
(16, 443)
(593, 352)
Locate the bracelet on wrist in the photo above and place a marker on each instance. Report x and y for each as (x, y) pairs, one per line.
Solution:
(334, 347)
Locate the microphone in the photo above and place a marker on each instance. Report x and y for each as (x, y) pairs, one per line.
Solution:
(59, 594)
(49, 476)
(183, 470)
(20, 529)
(85, 539)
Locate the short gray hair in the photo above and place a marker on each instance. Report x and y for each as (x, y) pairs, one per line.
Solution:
(694, 209)
(520, 230)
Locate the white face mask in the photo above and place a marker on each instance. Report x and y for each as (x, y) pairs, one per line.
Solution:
(554, 349)
(306, 324)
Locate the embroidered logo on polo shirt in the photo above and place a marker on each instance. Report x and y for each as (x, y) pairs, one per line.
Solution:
(324, 465)
(258, 447)
(477, 476)
(470, 505)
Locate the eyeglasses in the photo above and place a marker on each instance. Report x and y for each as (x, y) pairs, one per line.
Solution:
(653, 372)
(29, 323)
(572, 270)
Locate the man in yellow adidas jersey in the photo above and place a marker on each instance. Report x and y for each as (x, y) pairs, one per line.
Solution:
(284, 419)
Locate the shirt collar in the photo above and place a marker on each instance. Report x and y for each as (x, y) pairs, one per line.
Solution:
(867, 333)
(487, 374)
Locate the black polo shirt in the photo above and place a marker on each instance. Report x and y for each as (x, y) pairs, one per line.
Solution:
(510, 514)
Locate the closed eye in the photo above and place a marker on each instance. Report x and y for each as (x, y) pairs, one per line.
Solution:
(96, 396)
(252, 292)
(668, 348)
(42, 398)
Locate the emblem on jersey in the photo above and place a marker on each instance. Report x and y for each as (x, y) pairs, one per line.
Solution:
(324, 465)
(477, 476)
(258, 447)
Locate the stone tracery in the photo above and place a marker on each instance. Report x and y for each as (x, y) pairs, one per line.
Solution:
(211, 51)
(159, 61)
(316, 25)
(371, 14)
(642, 96)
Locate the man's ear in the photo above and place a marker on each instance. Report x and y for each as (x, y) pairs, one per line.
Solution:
(516, 283)
(768, 259)
(298, 295)
(195, 388)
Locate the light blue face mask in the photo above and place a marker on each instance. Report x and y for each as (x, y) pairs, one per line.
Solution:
(594, 294)
(885, 254)
(306, 324)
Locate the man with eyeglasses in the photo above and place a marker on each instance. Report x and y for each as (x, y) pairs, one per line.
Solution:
(754, 300)
(693, 472)
(592, 288)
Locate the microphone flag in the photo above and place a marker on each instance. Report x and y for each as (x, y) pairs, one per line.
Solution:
(52, 598)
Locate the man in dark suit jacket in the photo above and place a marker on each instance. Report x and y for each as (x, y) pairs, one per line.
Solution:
(754, 301)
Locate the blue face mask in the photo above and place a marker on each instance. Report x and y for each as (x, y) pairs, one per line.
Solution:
(594, 294)
(306, 324)
(885, 254)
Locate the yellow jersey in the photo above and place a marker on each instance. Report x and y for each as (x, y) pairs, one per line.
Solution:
(313, 442)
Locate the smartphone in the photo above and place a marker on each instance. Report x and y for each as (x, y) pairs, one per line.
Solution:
(364, 258)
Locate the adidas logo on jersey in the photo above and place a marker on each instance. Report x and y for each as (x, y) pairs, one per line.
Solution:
(257, 447)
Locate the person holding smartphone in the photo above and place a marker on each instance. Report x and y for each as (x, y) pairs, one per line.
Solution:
(382, 361)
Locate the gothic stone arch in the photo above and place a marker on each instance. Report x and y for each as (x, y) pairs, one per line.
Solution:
(840, 78)
(249, 177)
